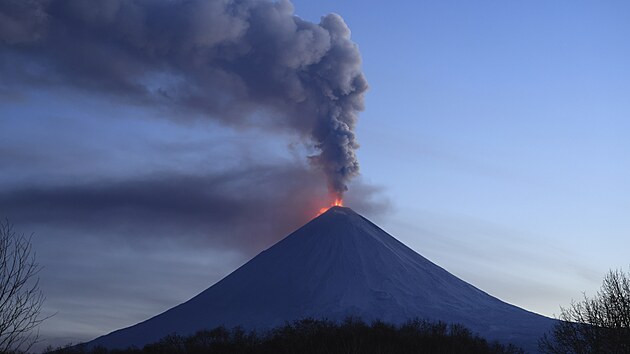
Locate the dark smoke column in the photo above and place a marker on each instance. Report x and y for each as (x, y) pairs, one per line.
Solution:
(342, 86)
(240, 62)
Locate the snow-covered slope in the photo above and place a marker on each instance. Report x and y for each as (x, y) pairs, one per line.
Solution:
(338, 264)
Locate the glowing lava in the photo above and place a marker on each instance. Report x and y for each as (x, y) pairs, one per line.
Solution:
(337, 202)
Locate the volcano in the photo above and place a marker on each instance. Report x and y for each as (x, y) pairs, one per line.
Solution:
(338, 265)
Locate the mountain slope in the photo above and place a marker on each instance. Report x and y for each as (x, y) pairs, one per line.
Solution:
(337, 265)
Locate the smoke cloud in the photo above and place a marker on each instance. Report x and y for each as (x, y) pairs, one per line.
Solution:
(242, 62)
(228, 209)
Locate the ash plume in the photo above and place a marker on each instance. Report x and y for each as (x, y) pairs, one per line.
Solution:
(243, 63)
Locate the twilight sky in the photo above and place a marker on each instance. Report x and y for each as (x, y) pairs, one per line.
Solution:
(493, 142)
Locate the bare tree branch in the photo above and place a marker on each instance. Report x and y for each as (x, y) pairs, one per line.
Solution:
(595, 325)
(21, 299)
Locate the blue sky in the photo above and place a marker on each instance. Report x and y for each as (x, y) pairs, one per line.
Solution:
(499, 133)
(493, 142)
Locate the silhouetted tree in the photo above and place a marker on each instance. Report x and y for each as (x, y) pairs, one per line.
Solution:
(20, 297)
(595, 325)
(309, 336)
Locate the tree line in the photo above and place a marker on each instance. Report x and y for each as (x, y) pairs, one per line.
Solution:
(310, 336)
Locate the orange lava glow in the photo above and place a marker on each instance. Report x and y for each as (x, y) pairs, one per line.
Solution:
(337, 202)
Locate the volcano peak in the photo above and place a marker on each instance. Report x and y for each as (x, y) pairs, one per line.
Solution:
(338, 265)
